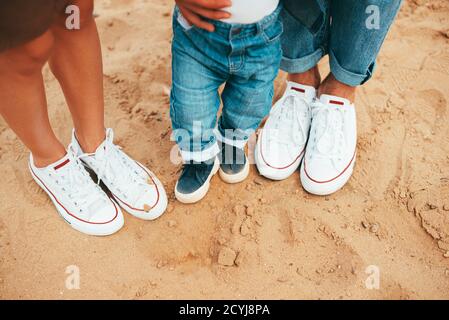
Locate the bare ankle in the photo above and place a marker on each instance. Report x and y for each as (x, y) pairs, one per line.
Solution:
(90, 142)
(332, 86)
(42, 161)
(310, 77)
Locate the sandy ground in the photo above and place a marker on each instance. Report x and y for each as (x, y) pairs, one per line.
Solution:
(393, 213)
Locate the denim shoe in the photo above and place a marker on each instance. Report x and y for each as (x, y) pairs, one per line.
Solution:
(193, 184)
(234, 166)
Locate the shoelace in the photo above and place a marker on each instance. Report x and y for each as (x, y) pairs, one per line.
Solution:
(118, 170)
(74, 180)
(289, 112)
(330, 141)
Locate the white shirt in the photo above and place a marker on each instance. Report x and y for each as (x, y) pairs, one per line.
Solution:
(250, 11)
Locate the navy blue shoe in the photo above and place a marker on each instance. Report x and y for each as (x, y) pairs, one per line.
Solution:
(193, 184)
(234, 167)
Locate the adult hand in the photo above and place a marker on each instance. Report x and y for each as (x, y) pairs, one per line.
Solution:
(195, 10)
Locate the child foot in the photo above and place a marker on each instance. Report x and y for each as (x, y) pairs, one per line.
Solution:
(80, 201)
(234, 166)
(194, 182)
(330, 154)
(135, 188)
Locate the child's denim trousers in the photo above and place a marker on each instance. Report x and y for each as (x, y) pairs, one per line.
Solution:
(245, 58)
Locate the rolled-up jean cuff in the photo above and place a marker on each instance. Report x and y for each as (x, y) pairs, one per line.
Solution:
(238, 143)
(347, 77)
(302, 64)
(200, 156)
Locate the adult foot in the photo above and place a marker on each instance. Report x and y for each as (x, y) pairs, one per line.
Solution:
(135, 188)
(331, 86)
(331, 151)
(80, 201)
(281, 143)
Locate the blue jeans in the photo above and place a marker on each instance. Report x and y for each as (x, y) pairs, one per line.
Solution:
(245, 58)
(350, 31)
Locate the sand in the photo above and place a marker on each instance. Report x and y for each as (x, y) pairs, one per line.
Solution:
(259, 239)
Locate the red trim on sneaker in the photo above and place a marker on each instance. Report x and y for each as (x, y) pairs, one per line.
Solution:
(157, 190)
(273, 167)
(59, 166)
(327, 181)
(299, 90)
(68, 212)
(337, 102)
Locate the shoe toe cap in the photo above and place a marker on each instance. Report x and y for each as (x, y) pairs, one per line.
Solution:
(187, 186)
(277, 165)
(320, 170)
(320, 178)
(234, 168)
(106, 213)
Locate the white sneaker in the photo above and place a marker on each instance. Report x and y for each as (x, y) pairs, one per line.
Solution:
(135, 188)
(81, 202)
(331, 151)
(281, 143)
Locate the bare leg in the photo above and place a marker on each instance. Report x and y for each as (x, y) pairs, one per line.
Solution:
(23, 103)
(77, 64)
(330, 85)
(334, 87)
(309, 78)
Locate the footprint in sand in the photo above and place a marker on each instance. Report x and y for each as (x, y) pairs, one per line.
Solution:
(431, 206)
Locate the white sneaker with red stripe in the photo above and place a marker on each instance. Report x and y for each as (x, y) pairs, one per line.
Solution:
(281, 143)
(81, 202)
(135, 188)
(331, 151)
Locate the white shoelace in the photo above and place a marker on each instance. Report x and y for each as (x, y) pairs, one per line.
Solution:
(330, 141)
(289, 118)
(77, 184)
(117, 170)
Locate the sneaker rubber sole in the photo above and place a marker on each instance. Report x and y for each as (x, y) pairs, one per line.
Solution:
(93, 229)
(235, 178)
(201, 192)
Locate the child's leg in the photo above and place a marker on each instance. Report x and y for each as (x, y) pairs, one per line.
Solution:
(22, 95)
(193, 110)
(77, 64)
(194, 104)
(248, 94)
(244, 107)
(246, 101)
